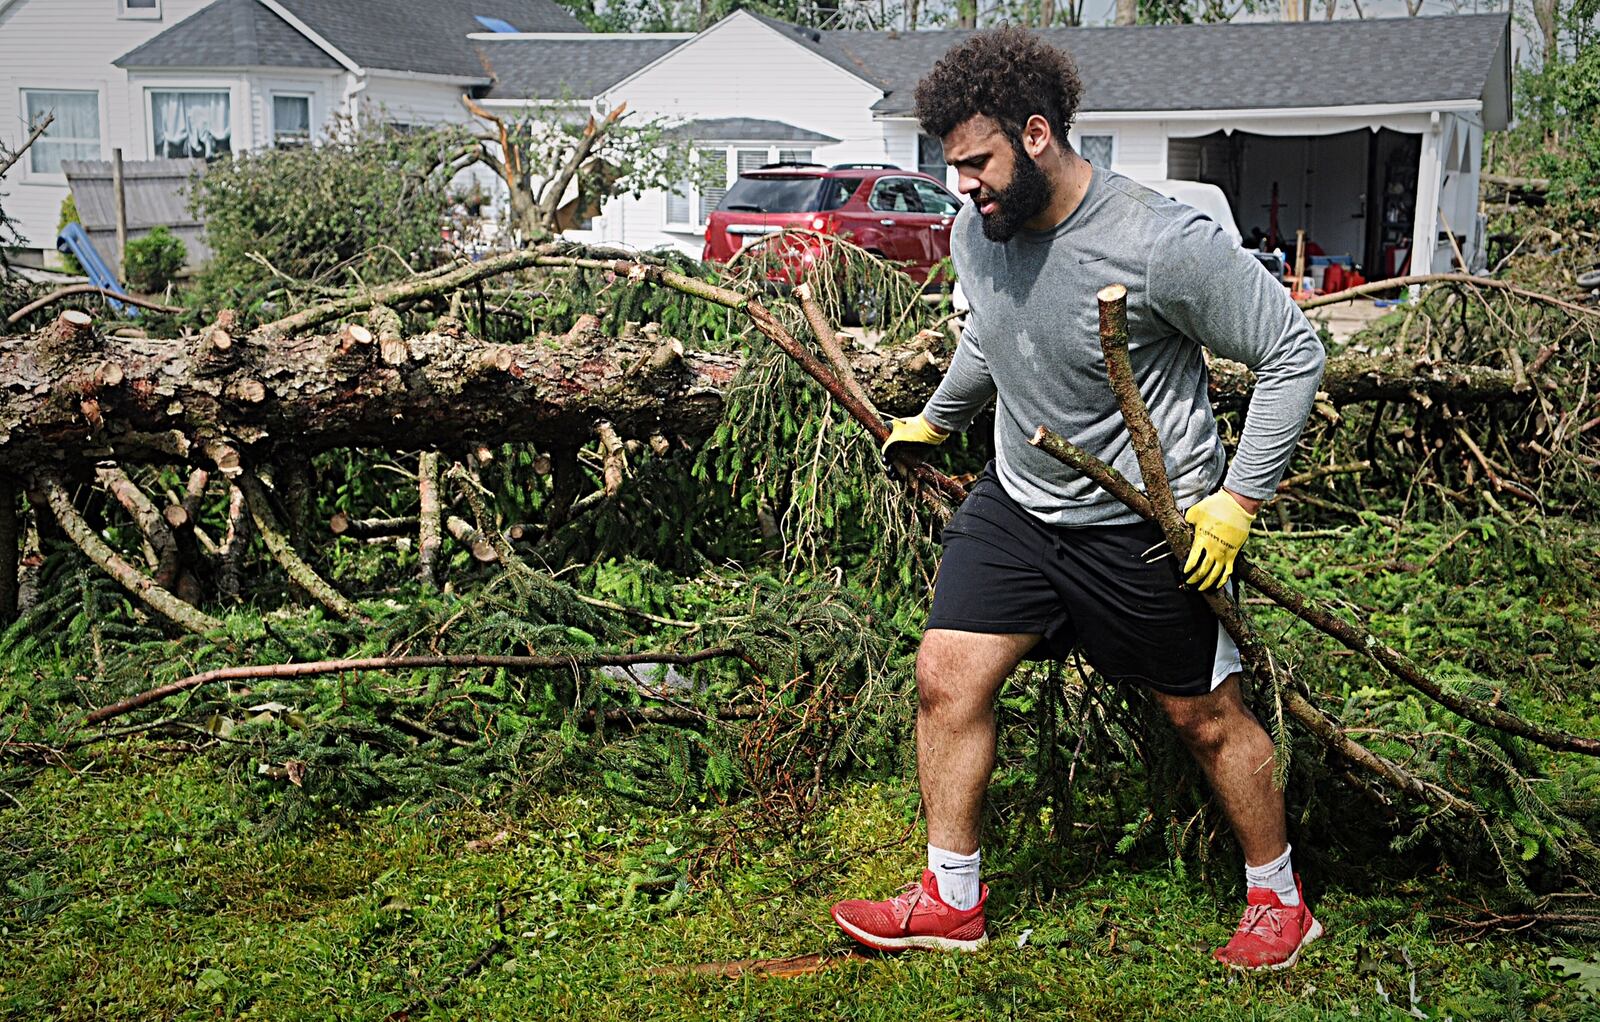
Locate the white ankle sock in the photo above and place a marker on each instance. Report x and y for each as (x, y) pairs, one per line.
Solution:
(957, 876)
(1276, 876)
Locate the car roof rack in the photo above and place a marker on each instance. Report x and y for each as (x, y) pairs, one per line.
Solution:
(787, 163)
(864, 166)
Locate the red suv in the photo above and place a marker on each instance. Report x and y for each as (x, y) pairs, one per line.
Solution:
(899, 214)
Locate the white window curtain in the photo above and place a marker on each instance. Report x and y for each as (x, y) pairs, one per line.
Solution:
(73, 135)
(291, 120)
(187, 124)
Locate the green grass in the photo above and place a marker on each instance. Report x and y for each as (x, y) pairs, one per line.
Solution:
(144, 881)
(133, 891)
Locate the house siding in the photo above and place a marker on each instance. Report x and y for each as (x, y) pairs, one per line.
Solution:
(70, 44)
(1140, 150)
(413, 101)
(326, 90)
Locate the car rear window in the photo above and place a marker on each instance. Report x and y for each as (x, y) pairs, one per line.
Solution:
(771, 195)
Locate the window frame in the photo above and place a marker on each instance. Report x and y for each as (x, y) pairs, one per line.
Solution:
(272, 116)
(229, 88)
(942, 174)
(1112, 134)
(56, 177)
(127, 13)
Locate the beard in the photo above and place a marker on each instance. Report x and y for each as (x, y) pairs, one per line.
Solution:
(1018, 202)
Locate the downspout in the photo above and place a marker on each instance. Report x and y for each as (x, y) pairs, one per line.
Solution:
(1425, 231)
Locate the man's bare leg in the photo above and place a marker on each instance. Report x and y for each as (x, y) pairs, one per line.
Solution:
(958, 674)
(1235, 753)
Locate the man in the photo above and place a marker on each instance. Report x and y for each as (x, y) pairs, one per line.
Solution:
(1038, 554)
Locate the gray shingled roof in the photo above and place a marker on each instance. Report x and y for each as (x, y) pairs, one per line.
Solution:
(750, 129)
(229, 33)
(558, 68)
(829, 45)
(423, 36)
(1220, 67)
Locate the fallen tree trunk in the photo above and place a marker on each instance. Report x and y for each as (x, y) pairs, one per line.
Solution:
(73, 400)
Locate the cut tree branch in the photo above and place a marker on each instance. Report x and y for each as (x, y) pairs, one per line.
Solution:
(282, 550)
(33, 136)
(142, 586)
(1379, 286)
(88, 289)
(403, 663)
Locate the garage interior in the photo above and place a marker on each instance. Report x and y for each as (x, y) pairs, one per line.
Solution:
(1354, 193)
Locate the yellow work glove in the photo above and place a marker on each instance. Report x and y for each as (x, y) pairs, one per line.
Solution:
(1220, 528)
(913, 436)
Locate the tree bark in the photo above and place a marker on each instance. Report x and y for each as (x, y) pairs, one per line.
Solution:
(163, 402)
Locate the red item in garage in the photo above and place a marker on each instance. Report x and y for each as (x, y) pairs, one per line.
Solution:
(1333, 279)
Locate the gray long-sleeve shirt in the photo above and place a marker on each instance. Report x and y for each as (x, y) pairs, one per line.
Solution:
(1032, 341)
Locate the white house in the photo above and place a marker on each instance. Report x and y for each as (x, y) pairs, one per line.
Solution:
(1370, 138)
(206, 78)
(1373, 145)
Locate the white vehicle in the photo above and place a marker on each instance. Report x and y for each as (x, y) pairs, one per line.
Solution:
(1208, 199)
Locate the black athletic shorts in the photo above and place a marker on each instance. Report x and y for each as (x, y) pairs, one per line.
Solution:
(1095, 588)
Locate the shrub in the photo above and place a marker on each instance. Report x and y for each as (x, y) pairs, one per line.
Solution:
(357, 208)
(151, 261)
(69, 215)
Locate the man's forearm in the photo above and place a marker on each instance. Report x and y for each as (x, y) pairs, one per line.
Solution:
(1250, 504)
(963, 392)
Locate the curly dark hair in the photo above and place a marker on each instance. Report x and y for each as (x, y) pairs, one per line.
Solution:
(1009, 74)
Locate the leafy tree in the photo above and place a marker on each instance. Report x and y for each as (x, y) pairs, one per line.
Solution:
(362, 206)
(545, 155)
(1558, 103)
(153, 260)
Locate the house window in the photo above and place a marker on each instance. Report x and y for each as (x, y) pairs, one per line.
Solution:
(1098, 149)
(73, 135)
(185, 123)
(291, 121)
(139, 9)
(680, 205)
(752, 159)
(691, 203)
(930, 156)
(716, 168)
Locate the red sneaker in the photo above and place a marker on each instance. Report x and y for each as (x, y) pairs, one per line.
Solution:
(915, 918)
(1272, 934)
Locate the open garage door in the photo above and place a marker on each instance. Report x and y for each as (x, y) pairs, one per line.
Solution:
(1353, 193)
